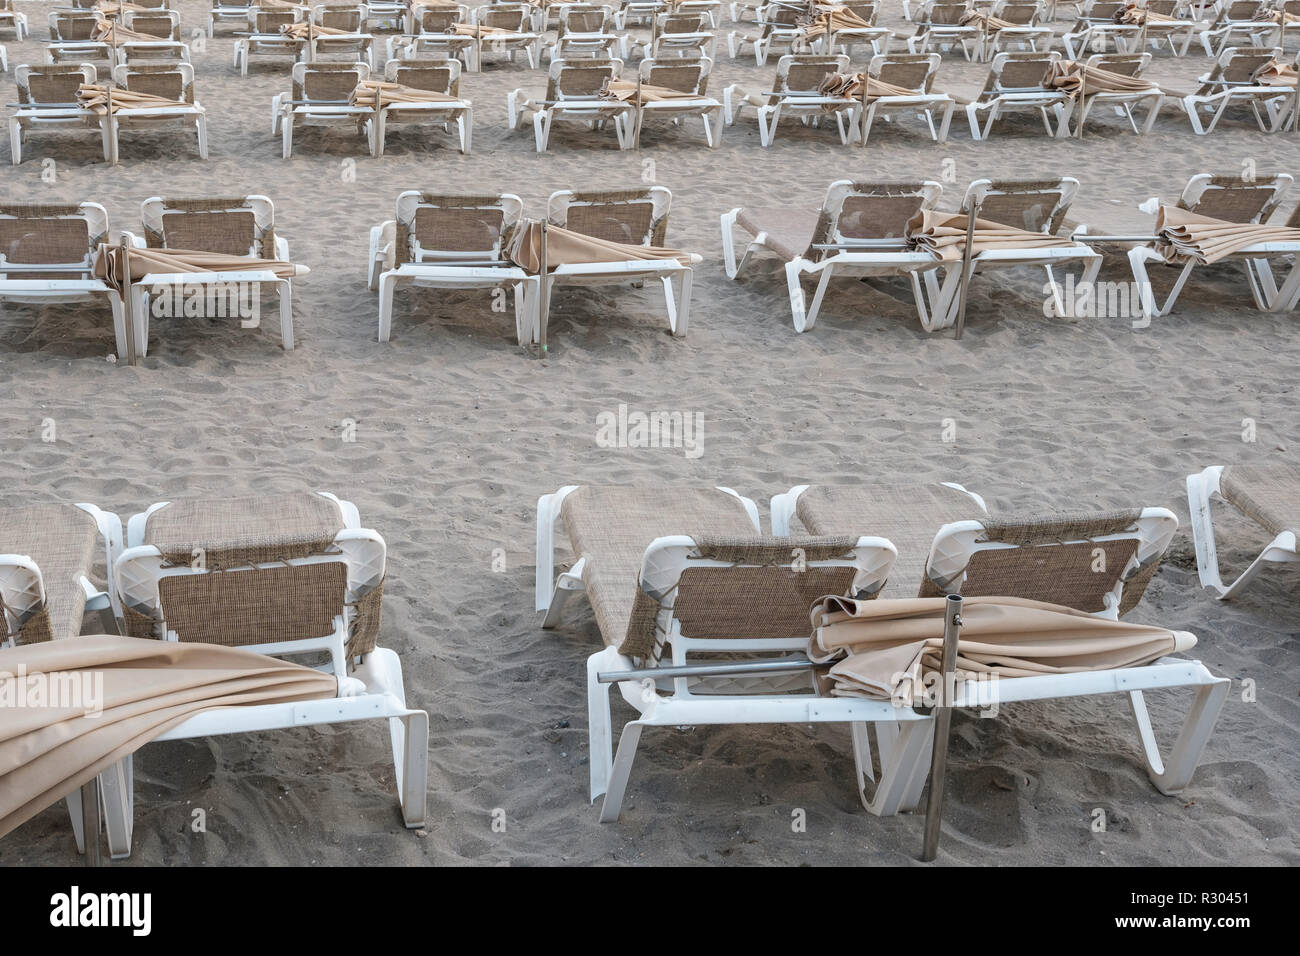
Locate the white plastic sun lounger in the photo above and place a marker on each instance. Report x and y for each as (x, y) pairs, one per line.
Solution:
(1265, 494)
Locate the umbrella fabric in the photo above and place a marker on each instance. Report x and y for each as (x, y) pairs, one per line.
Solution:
(625, 91)
(391, 93)
(1136, 16)
(849, 85)
(564, 248)
(77, 706)
(1074, 77)
(839, 18)
(117, 7)
(944, 235)
(95, 99)
(110, 31)
(108, 263)
(1274, 73)
(884, 649)
(991, 23)
(304, 31)
(1182, 235)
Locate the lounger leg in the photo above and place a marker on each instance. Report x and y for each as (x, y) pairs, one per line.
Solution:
(1138, 258)
(201, 130)
(286, 314)
(117, 791)
(119, 324)
(1191, 741)
(822, 282)
(286, 136)
(620, 771)
(410, 739)
(140, 319)
(542, 129)
(465, 126)
(600, 739)
(387, 282)
(798, 309)
(73, 801)
(904, 762)
(15, 141)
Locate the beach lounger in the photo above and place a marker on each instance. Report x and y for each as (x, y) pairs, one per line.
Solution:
(1233, 81)
(1035, 208)
(47, 100)
(172, 81)
(450, 242)
(780, 27)
(942, 25)
(55, 245)
(265, 36)
(1229, 199)
(1267, 495)
(1168, 22)
(687, 77)
(1239, 23)
(436, 76)
(796, 91)
(229, 11)
(632, 217)
(347, 40)
(860, 231)
(1098, 27)
(239, 226)
(586, 29)
(165, 25)
(431, 31)
(515, 27)
(913, 73)
(574, 94)
(1122, 101)
(1013, 25)
(47, 561)
(278, 574)
(321, 96)
(678, 35)
(72, 38)
(852, 24)
(1017, 81)
(11, 18)
(638, 11)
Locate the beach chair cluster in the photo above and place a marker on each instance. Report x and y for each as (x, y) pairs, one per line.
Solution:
(705, 616)
(292, 575)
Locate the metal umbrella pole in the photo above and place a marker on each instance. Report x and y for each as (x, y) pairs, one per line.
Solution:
(90, 820)
(942, 726)
(128, 310)
(967, 256)
(543, 300)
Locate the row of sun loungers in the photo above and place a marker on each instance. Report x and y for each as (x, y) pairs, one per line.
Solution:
(705, 618)
(453, 242)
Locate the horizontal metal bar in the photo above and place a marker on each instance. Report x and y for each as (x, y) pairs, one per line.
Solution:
(1095, 237)
(786, 665)
(44, 267)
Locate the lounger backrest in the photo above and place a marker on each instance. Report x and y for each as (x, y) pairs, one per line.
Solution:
(1098, 563)
(175, 81)
(53, 84)
(433, 227)
(1102, 11)
(327, 82)
(782, 17)
(51, 234)
(228, 4)
(67, 25)
(911, 71)
(240, 226)
(1233, 199)
(1018, 12)
(1237, 66)
(437, 19)
(514, 17)
(869, 215)
(804, 73)
(580, 79)
(437, 76)
(1164, 8)
(348, 18)
(583, 18)
(1036, 205)
(1017, 72)
(945, 13)
(249, 572)
(684, 76)
(165, 24)
(867, 10)
(1125, 64)
(24, 616)
(635, 217)
(751, 590)
(677, 23)
(270, 22)
(1240, 11)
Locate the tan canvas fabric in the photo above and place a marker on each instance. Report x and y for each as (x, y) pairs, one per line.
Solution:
(1183, 234)
(626, 91)
(94, 98)
(884, 649)
(1269, 494)
(1076, 78)
(944, 235)
(1135, 15)
(110, 31)
(148, 687)
(1276, 74)
(789, 231)
(850, 85)
(612, 526)
(109, 264)
(564, 247)
(382, 93)
(61, 539)
(306, 30)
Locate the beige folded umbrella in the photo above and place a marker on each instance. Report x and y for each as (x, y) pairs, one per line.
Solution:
(117, 7)
(987, 21)
(368, 92)
(944, 235)
(94, 97)
(1073, 77)
(1182, 234)
(883, 649)
(280, 5)
(1274, 73)
(564, 248)
(1136, 16)
(624, 90)
(132, 690)
(849, 85)
(837, 18)
(474, 30)
(110, 31)
(108, 264)
(306, 30)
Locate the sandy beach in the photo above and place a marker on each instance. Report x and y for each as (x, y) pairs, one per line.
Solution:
(457, 431)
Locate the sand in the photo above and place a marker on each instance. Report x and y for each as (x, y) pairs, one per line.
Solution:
(458, 430)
